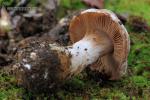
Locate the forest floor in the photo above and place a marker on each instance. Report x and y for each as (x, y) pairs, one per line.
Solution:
(135, 85)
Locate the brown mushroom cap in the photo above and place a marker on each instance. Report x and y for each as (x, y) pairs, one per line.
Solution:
(114, 63)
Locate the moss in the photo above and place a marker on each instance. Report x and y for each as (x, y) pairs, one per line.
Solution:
(6, 3)
(67, 6)
(140, 81)
(131, 7)
(146, 74)
(8, 88)
(70, 4)
(11, 93)
(139, 53)
(114, 95)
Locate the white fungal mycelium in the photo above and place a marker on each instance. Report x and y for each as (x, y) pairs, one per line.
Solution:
(27, 66)
(33, 55)
(46, 74)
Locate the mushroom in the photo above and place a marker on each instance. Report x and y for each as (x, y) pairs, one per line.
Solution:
(111, 37)
(99, 40)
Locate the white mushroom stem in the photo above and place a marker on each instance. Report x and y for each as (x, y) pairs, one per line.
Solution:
(85, 51)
